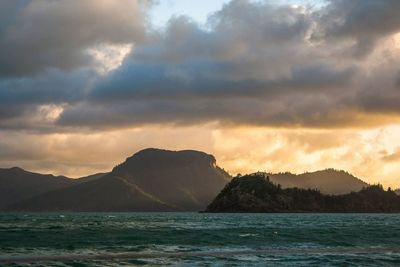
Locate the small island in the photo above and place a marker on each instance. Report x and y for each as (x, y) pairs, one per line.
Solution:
(256, 193)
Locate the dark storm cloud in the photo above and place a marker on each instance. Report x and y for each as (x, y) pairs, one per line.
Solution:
(42, 34)
(51, 87)
(364, 22)
(209, 79)
(253, 63)
(44, 58)
(277, 111)
(21, 99)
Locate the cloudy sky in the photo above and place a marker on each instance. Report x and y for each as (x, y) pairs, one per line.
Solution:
(263, 85)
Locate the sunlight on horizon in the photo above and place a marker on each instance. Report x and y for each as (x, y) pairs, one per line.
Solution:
(269, 85)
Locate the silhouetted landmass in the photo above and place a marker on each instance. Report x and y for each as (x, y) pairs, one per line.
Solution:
(328, 181)
(150, 180)
(17, 184)
(256, 193)
(89, 178)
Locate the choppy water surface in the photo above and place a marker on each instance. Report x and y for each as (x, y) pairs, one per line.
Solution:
(187, 239)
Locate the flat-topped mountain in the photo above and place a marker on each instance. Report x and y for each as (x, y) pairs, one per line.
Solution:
(256, 193)
(150, 180)
(327, 181)
(186, 179)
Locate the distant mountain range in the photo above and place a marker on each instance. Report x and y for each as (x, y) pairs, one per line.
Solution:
(328, 181)
(150, 180)
(256, 193)
(17, 184)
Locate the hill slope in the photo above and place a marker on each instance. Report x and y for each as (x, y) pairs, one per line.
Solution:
(150, 180)
(17, 184)
(255, 193)
(328, 181)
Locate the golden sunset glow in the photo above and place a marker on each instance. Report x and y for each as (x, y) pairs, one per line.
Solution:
(372, 154)
(396, 40)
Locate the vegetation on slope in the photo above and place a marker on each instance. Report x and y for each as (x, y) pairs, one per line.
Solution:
(256, 193)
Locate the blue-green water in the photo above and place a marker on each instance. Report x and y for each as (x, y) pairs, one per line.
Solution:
(187, 239)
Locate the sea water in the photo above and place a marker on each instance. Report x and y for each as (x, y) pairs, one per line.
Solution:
(198, 239)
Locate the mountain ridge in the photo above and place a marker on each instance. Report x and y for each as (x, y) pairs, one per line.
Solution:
(328, 181)
(17, 184)
(158, 180)
(257, 193)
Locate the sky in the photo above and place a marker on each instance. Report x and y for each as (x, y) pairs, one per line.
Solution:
(198, 11)
(262, 85)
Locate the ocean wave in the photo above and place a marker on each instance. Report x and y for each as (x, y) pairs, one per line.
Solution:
(189, 254)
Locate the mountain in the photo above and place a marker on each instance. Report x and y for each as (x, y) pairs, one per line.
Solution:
(89, 178)
(256, 193)
(17, 184)
(150, 180)
(328, 181)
